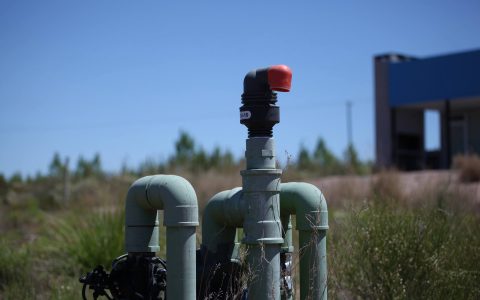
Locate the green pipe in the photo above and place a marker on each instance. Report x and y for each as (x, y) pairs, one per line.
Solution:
(181, 258)
(307, 202)
(222, 215)
(301, 199)
(287, 246)
(177, 198)
(262, 226)
(313, 264)
(287, 287)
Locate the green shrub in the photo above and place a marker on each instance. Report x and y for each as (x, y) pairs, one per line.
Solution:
(18, 290)
(385, 252)
(91, 239)
(15, 280)
(67, 288)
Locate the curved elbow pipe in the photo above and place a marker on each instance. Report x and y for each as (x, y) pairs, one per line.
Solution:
(305, 201)
(308, 204)
(262, 81)
(222, 215)
(173, 194)
(258, 111)
(176, 197)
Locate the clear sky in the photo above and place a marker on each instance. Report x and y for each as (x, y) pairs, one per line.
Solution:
(122, 78)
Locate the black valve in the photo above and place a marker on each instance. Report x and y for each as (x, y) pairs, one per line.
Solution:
(133, 276)
(259, 112)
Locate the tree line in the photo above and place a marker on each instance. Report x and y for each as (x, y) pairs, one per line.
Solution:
(190, 156)
(322, 161)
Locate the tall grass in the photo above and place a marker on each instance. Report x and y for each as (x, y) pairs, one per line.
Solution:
(393, 246)
(385, 251)
(15, 273)
(91, 239)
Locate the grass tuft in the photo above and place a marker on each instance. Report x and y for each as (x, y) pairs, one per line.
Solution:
(384, 252)
(91, 239)
(15, 272)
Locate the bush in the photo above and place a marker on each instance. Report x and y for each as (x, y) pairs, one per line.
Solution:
(468, 167)
(15, 281)
(384, 252)
(91, 239)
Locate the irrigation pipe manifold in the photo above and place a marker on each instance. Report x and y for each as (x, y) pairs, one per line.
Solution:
(222, 268)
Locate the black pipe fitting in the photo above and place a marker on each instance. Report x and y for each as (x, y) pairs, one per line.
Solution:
(259, 112)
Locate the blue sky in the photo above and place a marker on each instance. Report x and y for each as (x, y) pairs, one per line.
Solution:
(122, 78)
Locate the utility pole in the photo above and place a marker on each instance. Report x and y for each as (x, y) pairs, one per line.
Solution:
(349, 123)
(66, 181)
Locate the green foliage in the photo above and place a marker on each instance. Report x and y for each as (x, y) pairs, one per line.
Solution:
(86, 168)
(219, 159)
(16, 178)
(14, 271)
(189, 155)
(91, 239)
(353, 164)
(25, 212)
(322, 161)
(184, 148)
(19, 290)
(200, 160)
(304, 160)
(56, 167)
(388, 252)
(66, 289)
(325, 158)
(3, 185)
(148, 167)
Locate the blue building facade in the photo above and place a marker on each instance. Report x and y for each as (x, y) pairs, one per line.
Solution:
(405, 87)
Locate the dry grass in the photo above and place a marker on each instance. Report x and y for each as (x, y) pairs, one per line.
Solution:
(210, 183)
(468, 167)
(25, 222)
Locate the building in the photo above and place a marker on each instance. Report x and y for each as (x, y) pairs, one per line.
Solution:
(405, 87)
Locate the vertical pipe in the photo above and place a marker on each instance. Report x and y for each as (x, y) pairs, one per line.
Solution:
(287, 233)
(177, 198)
(262, 225)
(264, 274)
(308, 204)
(313, 264)
(286, 285)
(181, 275)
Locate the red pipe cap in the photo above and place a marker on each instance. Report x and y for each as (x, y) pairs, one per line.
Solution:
(280, 78)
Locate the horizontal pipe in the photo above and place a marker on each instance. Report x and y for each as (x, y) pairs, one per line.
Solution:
(301, 199)
(222, 215)
(226, 210)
